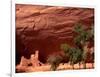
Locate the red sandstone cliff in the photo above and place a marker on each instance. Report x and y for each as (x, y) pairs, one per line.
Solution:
(44, 28)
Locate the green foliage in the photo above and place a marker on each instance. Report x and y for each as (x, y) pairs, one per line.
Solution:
(78, 28)
(91, 33)
(77, 41)
(54, 61)
(82, 37)
(64, 47)
(75, 55)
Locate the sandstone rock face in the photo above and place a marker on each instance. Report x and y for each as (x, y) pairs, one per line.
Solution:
(44, 28)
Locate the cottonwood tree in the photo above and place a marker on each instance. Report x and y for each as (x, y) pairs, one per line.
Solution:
(54, 61)
(75, 56)
(82, 39)
(65, 48)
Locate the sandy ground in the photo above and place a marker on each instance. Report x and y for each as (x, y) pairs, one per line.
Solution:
(46, 67)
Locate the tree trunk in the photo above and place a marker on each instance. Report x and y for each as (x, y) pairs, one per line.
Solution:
(72, 66)
(53, 68)
(84, 65)
(79, 65)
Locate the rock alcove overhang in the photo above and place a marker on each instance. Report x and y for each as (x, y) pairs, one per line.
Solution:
(46, 28)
